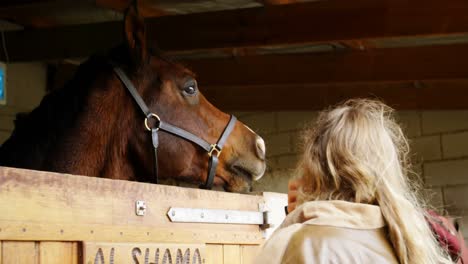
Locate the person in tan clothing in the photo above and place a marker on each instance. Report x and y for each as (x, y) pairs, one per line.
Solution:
(355, 202)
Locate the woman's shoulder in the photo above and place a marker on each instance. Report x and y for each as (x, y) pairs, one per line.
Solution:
(330, 231)
(288, 241)
(303, 243)
(273, 249)
(319, 243)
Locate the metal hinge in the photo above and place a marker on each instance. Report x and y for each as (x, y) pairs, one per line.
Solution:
(218, 216)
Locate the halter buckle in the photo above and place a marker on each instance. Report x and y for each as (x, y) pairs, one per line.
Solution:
(156, 117)
(214, 148)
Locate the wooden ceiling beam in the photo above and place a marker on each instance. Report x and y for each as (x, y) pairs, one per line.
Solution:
(279, 2)
(360, 45)
(312, 22)
(145, 7)
(379, 65)
(421, 95)
(10, 3)
(27, 13)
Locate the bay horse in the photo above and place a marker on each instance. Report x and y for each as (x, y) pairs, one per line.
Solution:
(93, 127)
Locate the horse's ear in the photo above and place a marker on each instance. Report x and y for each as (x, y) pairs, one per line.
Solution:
(135, 33)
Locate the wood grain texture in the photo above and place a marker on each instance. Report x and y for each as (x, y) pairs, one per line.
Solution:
(146, 8)
(214, 254)
(58, 252)
(93, 211)
(14, 252)
(231, 254)
(414, 95)
(248, 253)
(380, 65)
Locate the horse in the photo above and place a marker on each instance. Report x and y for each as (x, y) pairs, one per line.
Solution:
(93, 127)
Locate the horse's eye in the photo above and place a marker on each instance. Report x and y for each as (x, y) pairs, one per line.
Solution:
(190, 90)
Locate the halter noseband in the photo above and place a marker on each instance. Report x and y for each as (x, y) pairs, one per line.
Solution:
(213, 150)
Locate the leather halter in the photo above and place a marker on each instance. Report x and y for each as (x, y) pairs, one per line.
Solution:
(213, 150)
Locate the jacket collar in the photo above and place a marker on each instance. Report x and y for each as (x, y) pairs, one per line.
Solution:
(338, 214)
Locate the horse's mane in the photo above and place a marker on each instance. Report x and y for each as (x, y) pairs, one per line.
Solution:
(58, 111)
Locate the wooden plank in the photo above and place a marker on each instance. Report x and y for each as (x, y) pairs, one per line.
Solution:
(214, 254)
(145, 7)
(47, 210)
(143, 253)
(58, 252)
(1, 250)
(77, 253)
(8, 3)
(118, 233)
(275, 25)
(36, 14)
(419, 95)
(382, 65)
(231, 254)
(279, 2)
(14, 252)
(248, 253)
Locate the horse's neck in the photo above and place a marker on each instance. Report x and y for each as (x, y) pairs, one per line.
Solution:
(116, 164)
(93, 142)
(97, 146)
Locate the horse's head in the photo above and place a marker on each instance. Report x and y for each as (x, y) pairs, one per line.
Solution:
(172, 92)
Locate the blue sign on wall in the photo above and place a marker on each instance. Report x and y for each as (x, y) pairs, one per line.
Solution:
(2, 84)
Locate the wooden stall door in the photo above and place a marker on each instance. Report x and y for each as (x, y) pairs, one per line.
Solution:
(25, 252)
(230, 254)
(59, 226)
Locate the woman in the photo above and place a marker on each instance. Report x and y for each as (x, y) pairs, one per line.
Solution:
(356, 204)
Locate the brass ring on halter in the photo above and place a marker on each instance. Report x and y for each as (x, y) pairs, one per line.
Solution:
(214, 148)
(156, 117)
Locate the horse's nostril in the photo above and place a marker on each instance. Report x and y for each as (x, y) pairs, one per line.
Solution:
(260, 148)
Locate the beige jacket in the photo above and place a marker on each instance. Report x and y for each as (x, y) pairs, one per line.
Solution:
(330, 232)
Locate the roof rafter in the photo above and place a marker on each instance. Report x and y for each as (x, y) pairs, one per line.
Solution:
(311, 22)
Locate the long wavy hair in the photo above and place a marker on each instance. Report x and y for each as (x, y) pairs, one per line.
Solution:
(357, 152)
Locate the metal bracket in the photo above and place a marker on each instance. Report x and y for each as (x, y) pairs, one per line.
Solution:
(266, 223)
(140, 208)
(217, 216)
(273, 204)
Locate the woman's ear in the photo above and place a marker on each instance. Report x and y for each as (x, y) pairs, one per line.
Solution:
(135, 33)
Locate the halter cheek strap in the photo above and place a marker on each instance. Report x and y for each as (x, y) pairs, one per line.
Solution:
(213, 150)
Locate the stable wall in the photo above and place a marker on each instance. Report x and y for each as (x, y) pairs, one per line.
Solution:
(26, 85)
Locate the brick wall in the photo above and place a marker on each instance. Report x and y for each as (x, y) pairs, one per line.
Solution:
(439, 141)
(25, 84)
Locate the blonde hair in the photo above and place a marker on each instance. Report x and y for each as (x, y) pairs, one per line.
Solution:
(357, 152)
